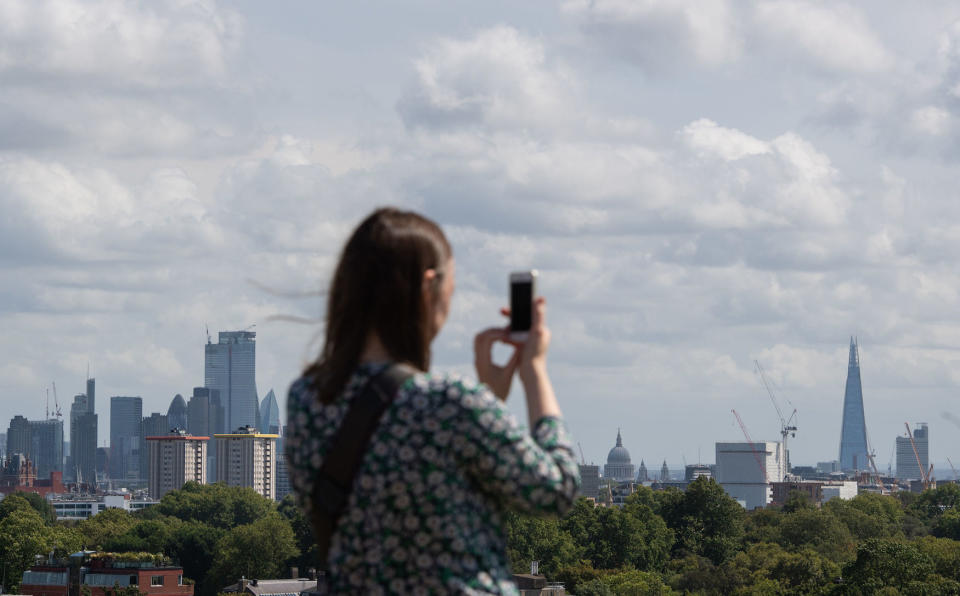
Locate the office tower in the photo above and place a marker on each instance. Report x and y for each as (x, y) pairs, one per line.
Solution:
(18, 437)
(746, 480)
(3, 446)
(247, 458)
(853, 432)
(103, 464)
(83, 440)
(642, 474)
(205, 418)
(174, 459)
(230, 368)
(177, 413)
(907, 467)
(125, 438)
(283, 476)
(618, 465)
(92, 394)
(269, 414)
(46, 437)
(153, 425)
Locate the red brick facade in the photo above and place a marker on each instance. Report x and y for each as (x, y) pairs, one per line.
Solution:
(52, 580)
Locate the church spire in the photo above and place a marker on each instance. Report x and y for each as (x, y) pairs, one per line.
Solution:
(619, 440)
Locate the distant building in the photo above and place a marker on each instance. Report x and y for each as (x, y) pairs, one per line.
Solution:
(18, 437)
(80, 507)
(151, 426)
(82, 466)
(618, 465)
(589, 481)
(247, 458)
(205, 419)
(693, 471)
(828, 467)
(272, 587)
(269, 414)
(20, 475)
(853, 429)
(664, 472)
(100, 574)
(175, 458)
(907, 467)
(283, 476)
(125, 438)
(642, 475)
(46, 437)
(743, 477)
(177, 413)
(230, 368)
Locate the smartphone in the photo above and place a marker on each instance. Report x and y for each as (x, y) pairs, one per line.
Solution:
(523, 290)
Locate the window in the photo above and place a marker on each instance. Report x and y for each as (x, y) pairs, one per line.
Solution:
(179, 580)
(156, 580)
(133, 580)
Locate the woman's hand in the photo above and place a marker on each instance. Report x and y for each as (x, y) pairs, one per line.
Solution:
(497, 378)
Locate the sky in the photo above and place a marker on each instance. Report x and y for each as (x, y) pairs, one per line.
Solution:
(701, 184)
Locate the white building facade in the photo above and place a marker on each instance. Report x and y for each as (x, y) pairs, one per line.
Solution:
(744, 477)
(248, 458)
(175, 459)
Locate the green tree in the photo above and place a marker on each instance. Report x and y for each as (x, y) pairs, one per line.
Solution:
(705, 520)
(944, 553)
(887, 563)
(23, 536)
(869, 515)
(934, 502)
(43, 507)
(193, 545)
(819, 530)
(611, 537)
(302, 531)
(257, 550)
(99, 529)
(626, 583)
(218, 505)
(149, 535)
(947, 525)
(540, 539)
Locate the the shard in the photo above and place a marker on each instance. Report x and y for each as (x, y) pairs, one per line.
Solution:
(853, 433)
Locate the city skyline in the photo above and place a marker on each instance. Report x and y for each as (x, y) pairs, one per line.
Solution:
(699, 189)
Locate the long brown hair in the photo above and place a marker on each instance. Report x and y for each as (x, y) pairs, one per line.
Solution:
(377, 289)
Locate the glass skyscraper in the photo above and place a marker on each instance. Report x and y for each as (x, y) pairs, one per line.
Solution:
(83, 438)
(853, 432)
(125, 438)
(230, 368)
(270, 414)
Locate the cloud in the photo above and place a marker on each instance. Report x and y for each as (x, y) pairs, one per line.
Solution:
(657, 34)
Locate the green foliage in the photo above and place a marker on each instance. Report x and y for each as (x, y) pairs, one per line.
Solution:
(217, 505)
(869, 515)
(626, 583)
(193, 544)
(532, 538)
(99, 529)
(705, 520)
(887, 563)
(16, 500)
(258, 549)
(933, 503)
(302, 531)
(23, 535)
(818, 530)
(151, 535)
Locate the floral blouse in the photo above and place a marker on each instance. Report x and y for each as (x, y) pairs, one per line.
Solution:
(424, 515)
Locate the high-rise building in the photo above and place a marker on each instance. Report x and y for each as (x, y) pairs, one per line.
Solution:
(83, 440)
(283, 476)
(247, 458)
(174, 459)
(18, 437)
(269, 414)
(664, 472)
(125, 438)
(3, 446)
(747, 471)
(205, 418)
(853, 431)
(618, 465)
(153, 425)
(230, 368)
(46, 437)
(92, 394)
(907, 467)
(177, 413)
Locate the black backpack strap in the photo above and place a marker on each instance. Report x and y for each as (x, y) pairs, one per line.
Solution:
(334, 481)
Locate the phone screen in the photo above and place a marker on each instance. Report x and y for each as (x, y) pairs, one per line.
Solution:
(521, 303)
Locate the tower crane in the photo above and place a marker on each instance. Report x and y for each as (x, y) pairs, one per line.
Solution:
(787, 427)
(955, 477)
(583, 459)
(756, 454)
(56, 402)
(925, 476)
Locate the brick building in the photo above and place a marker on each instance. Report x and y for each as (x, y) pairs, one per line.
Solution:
(101, 573)
(19, 475)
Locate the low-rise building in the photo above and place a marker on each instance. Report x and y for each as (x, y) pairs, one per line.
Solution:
(78, 507)
(98, 574)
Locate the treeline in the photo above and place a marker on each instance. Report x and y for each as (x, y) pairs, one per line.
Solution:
(215, 532)
(702, 542)
(698, 541)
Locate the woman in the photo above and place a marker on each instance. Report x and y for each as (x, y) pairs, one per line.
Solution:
(446, 459)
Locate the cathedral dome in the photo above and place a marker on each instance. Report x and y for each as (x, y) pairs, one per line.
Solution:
(619, 454)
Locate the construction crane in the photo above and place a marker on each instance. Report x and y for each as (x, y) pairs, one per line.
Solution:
(955, 477)
(787, 429)
(923, 471)
(583, 459)
(56, 402)
(756, 454)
